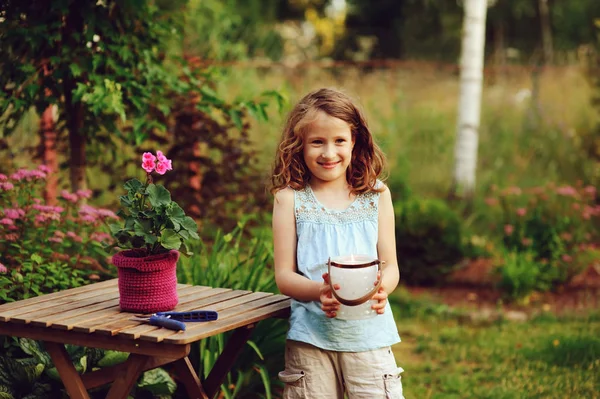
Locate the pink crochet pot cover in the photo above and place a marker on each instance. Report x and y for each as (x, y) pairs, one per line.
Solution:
(147, 284)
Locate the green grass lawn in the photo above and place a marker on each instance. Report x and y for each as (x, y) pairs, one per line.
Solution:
(446, 357)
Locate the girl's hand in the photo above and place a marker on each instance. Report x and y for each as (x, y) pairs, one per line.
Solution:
(329, 304)
(381, 298)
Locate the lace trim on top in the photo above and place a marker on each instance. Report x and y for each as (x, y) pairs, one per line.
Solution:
(309, 209)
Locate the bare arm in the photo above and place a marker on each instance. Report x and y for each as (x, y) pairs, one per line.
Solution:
(386, 248)
(288, 281)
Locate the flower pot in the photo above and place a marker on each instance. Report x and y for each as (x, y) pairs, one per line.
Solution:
(147, 284)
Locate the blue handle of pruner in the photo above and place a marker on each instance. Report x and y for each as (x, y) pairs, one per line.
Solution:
(165, 322)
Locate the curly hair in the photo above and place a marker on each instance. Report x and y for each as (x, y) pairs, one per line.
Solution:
(367, 162)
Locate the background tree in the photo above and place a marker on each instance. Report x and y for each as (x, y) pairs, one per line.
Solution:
(103, 64)
(469, 107)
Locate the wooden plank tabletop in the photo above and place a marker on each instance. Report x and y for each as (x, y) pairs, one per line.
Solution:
(94, 309)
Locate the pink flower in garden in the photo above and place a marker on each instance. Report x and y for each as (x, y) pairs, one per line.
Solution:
(74, 236)
(69, 196)
(567, 191)
(148, 156)
(160, 156)
(6, 186)
(508, 229)
(566, 258)
(100, 237)
(590, 191)
(575, 206)
(90, 214)
(55, 239)
(566, 236)
(148, 162)
(45, 169)
(3, 268)
(14, 213)
(526, 241)
(521, 211)
(513, 190)
(537, 190)
(107, 213)
(7, 221)
(87, 218)
(28, 175)
(491, 201)
(84, 194)
(48, 208)
(3, 177)
(162, 167)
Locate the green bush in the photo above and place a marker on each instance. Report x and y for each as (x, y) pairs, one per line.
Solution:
(552, 223)
(45, 248)
(521, 275)
(428, 240)
(239, 262)
(27, 371)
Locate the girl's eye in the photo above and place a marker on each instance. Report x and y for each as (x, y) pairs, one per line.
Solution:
(317, 142)
(340, 141)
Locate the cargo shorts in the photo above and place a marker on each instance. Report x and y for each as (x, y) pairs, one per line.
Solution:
(314, 373)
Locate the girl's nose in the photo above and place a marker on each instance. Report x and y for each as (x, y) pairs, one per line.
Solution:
(328, 152)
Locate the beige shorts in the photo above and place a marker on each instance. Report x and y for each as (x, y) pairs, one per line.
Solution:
(314, 373)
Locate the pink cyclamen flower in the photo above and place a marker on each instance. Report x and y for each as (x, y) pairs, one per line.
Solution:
(508, 229)
(3, 268)
(3, 177)
(521, 211)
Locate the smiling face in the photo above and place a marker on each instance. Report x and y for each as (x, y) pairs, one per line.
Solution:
(328, 148)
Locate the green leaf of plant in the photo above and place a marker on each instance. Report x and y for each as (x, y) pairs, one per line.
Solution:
(170, 239)
(189, 224)
(158, 382)
(236, 117)
(75, 70)
(158, 195)
(112, 358)
(133, 185)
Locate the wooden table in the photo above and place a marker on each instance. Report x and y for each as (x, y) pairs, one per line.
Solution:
(90, 316)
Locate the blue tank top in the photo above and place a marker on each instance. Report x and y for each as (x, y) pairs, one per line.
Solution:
(324, 233)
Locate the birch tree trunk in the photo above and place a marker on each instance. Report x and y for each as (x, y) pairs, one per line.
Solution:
(471, 78)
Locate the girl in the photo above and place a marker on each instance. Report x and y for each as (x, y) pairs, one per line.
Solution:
(328, 202)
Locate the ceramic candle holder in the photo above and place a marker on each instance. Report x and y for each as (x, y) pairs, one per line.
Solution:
(356, 276)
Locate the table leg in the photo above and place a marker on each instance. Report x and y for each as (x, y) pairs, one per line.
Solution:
(69, 376)
(133, 366)
(223, 365)
(187, 375)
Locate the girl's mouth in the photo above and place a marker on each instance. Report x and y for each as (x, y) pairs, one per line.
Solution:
(329, 165)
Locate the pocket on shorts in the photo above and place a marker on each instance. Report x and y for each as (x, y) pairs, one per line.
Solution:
(393, 384)
(294, 387)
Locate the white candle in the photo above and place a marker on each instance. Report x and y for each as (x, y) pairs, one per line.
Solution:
(352, 259)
